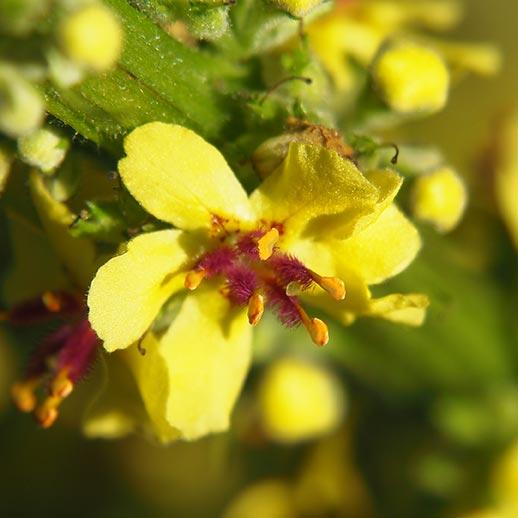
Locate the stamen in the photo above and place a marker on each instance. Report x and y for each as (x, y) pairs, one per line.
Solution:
(23, 395)
(241, 284)
(266, 244)
(193, 279)
(316, 328)
(61, 386)
(52, 301)
(289, 269)
(255, 308)
(47, 413)
(333, 285)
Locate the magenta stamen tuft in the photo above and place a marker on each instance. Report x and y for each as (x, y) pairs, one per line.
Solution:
(78, 352)
(282, 305)
(247, 244)
(241, 283)
(35, 310)
(289, 269)
(218, 261)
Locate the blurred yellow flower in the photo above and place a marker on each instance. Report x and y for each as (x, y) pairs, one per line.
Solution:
(411, 77)
(439, 198)
(45, 149)
(92, 36)
(299, 400)
(315, 213)
(506, 174)
(504, 487)
(297, 8)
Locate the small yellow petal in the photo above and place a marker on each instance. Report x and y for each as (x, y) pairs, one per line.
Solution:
(439, 198)
(381, 250)
(180, 178)
(129, 290)
(190, 378)
(408, 309)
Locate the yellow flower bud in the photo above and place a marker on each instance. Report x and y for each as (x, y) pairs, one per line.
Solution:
(411, 78)
(21, 106)
(299, 401)
(45, 149)
(297, 8)
(439, 198)
(92, 37)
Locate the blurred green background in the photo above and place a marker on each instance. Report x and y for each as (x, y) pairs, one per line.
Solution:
(430, 409)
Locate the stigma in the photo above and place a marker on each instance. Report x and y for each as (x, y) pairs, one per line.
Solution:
(257, 275)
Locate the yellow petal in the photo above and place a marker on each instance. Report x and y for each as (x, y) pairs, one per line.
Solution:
(77, 254)
(180, 178)
(315, 191)
(129, 290)
(191, 377)
(320, 257)
(382, 249)
(152, 380)
(408, 309)
(326, 259)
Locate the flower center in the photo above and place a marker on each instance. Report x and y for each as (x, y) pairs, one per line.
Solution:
(258, 274)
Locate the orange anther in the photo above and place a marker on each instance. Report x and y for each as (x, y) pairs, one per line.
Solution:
(255, 308)
(193, 279)
(266, 244)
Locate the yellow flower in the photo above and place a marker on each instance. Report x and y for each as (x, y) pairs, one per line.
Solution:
(313, 221)
(411, 78)
(299, 400)
(92, 36)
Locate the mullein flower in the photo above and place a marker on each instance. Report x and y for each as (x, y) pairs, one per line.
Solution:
(61, 360)
(316, 230)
